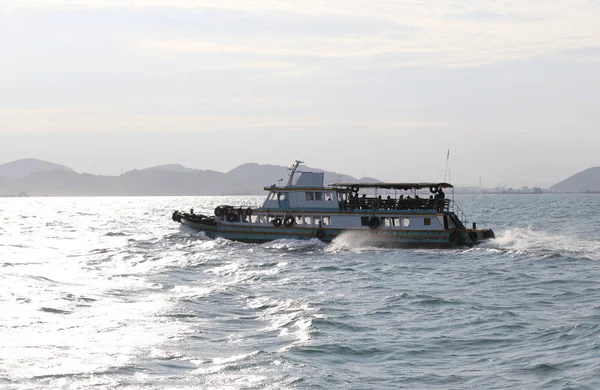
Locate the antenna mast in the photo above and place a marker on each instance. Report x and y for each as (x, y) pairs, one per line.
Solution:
(446, 170)
(293, 168)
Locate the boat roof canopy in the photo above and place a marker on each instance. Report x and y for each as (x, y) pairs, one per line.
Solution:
(395, 186)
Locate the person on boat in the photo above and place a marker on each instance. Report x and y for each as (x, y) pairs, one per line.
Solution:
(389, 203)
(378, 202)
(363, 202)
(354, 200)
(439, 200)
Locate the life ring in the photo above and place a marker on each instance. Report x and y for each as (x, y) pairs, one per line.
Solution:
(434, 189)
(230, 217)
(354, 188)
(473, 236)
(320, 234)
(240, 211)
(248, 211)
(374, 222)
(218, 211)
(288, 221)
(455, 238)
(277, 222)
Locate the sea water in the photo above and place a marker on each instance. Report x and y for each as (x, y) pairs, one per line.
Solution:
(110, 292)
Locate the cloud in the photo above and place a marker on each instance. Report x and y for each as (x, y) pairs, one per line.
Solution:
(77, 119)
(448, 33)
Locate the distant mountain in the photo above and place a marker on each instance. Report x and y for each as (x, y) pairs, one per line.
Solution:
(170, 168)
(587, 180)
(369, 180)
(165, 181)
(22, 168)
(255, 177)
(169, 179)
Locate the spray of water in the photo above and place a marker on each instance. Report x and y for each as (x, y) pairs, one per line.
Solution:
(352, 241)
(193, 232)
(538, 243)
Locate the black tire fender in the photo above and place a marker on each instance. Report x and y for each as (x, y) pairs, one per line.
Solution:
(473, 236)
(289, 221)
(455, 238)
(374, 222)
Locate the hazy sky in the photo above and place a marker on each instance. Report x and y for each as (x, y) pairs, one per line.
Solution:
(370, 88)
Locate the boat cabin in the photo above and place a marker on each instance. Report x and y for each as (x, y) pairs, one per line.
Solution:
(309, 192)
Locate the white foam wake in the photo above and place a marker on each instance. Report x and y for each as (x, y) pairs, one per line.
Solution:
(353, 241)
(528, 241)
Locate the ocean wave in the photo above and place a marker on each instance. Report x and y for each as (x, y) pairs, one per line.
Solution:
(354, 241)
(293, 245)
(170, 307)
(527, 241)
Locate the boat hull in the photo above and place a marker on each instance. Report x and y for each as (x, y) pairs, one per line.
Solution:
(370, 237)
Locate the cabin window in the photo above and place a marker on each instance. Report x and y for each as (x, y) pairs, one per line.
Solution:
(254, 219)
(406, 222)
(271, 196)
(299, 220)
(262, 219)
(396, 221)
(307, 220)
(340, 196)
(427, 221)
(270, 218)
(385, 221)
(244, 218)
(364, 221)
(317, 221)
(282, 196)
(318, 196)
(310, 196)
(326, 220)
(328, 196)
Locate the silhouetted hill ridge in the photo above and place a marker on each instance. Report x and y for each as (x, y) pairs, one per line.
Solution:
(586, 180)
(20, 169)
(168, 180)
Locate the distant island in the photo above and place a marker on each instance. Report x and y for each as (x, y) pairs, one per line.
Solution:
(586, 181)
(33, 177)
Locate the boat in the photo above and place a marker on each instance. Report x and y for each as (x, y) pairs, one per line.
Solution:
(385, 214)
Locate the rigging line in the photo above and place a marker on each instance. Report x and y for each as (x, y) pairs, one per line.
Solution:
(446, 169)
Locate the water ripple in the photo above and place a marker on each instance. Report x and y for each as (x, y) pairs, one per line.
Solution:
(94, 300)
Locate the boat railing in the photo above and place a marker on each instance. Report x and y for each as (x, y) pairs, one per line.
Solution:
(455, 208)
(371, 203)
